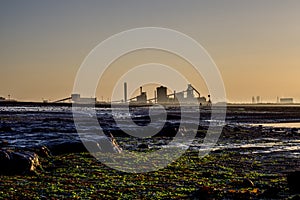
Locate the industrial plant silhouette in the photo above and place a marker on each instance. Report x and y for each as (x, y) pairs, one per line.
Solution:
(161, 96)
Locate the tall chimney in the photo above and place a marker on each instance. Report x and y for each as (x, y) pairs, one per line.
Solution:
(125, 92)
(141, 90)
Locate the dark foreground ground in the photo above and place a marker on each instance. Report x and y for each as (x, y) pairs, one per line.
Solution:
(258, 171)
(223, 174)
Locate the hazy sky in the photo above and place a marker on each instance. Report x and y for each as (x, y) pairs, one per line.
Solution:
(255, 43)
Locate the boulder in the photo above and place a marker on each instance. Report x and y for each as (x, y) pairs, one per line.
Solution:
(243, 183)
(58, 147)
(41, 151)
(294, 130)
(3, 143)
(3, 156)
(271, 193)
(111, 145)
(143, 146)
(202, 193)
(104, 144)
(293, 179)
(247, 183)
(18, 162)
(5, 129)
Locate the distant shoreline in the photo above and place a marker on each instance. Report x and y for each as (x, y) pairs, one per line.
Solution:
(106, 105)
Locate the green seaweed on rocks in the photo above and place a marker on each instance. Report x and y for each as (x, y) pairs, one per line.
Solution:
(79, 175)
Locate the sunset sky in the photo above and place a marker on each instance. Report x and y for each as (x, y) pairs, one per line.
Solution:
(255, 43)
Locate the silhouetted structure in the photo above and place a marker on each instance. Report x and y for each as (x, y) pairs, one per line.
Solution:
(142, 98)
(77, 99)
(162, 94)
(7, 100)
(190, 92)
(286, 100)
(125, 92)
(253, 100)
(258, 99)
(179, 95)
(187, 96)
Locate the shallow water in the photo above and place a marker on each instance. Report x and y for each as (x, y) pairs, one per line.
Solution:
(32, 126)
(281, 125)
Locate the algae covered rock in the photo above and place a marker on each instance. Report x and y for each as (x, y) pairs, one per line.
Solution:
(293, 179)
(18, 162)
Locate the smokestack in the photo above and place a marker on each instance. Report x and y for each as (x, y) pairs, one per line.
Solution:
(141, 90)
(125, 91)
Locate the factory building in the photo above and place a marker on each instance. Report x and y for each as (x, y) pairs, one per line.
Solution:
(190, 92)
(179, 95)
(186, 96)
(286, 100)
(142, 98)
(161, 96)
(161, 93)
(77, 99)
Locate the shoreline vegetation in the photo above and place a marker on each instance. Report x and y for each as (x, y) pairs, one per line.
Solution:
(265, 165)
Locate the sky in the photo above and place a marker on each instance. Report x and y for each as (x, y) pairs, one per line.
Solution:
(254, 43)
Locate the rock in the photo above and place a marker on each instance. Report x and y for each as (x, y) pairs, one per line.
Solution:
(143, 146)
(201, 133)
(41, 151)
(294, 130)
(162, 142)
(295, 197)
(3, 143)
(236, 129)
(3, 156)
(277, 129)
(207, 174)
(5, 129)
(293, 179)
(115, 145)
(104, 144)
(169, 130)
(203, 193)
(247, 183)
(58, 147)
(244, 183)
(18, 162)
(271, 193)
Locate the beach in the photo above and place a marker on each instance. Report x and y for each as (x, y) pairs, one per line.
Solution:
(250, 160)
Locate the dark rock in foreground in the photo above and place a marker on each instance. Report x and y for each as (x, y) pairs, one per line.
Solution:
(64, 146)
(293, 179)
(143, 146)
(18, 162)
(5, 129)
(247, 183)
(271, 193)
(76, 146)
(41, 151)
(203, 193)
